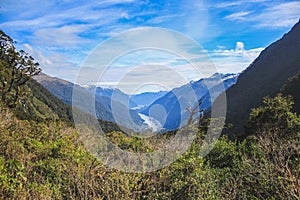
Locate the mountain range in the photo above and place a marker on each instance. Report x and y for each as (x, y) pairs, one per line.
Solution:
(275, 70)
(103, 103)
(111, 104)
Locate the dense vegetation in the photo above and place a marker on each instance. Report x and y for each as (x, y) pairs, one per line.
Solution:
(292, 87)
(43, 157)
(47, 160)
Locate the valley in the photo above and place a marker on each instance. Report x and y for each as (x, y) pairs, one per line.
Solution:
(233, 134)
(173, 103)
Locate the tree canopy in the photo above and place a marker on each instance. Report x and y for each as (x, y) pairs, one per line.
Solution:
(16, 68)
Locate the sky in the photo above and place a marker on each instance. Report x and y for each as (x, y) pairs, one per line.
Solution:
(62, 35)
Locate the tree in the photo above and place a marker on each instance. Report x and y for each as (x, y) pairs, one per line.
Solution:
(17, 67)
(275, 116)
(273, 152)
(195, 110)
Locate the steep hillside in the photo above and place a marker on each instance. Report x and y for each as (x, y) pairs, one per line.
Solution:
(44, 105)
(63, 90)
(60, 88)
(264, 77)
(106, 108)
(170, 109)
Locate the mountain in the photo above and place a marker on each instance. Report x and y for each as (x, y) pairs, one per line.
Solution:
(41, 105)
(60, 88)
(170, 109)
(106, 108)
(111, 103)
(264, 77)
(114, 94)
(146, 98)
(133, 100)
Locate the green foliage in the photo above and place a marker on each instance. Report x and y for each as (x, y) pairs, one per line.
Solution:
(17, 67)
(273, 165)
(39, 160)
(42, 157)
(28, 99)
(274, 115)
(46, 160)
(224, 154)
(292, 87)
(42, 105)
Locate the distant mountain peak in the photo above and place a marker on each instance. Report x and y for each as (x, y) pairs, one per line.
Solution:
(44, 77)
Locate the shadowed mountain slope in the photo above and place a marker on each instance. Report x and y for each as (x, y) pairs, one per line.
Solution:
(264, 77)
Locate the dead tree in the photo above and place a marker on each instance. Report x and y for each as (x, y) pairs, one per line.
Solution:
(194, 111)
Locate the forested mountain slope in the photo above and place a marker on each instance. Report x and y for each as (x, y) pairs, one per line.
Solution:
(292, 87)
(103, 104)
(41, 104)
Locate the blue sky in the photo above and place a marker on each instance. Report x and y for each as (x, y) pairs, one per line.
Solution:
(60, 34)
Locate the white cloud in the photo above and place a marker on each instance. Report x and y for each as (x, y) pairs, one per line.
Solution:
(63, 25)
(221, 47)
(273, 15)
(54, 64)
(163, 18)
(146, 55)
(240, 46)
(234, 60)
(283, 15)
(196, 19)
(59, 34)
(226, 4)
(150, 65)
(65, 36)
(37, 55)
(237, 16)
(235, 3)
